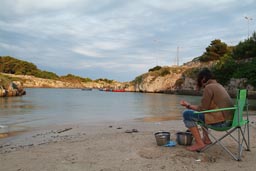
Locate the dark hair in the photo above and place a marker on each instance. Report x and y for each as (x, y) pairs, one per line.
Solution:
(205, 75)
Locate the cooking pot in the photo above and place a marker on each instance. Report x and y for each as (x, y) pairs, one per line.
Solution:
(162, 137)
(184, 138)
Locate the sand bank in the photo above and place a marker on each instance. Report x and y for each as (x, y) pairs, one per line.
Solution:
(107, 147)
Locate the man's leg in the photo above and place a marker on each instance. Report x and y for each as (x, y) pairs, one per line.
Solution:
(189, 119)
(199, 142)
(206, 138)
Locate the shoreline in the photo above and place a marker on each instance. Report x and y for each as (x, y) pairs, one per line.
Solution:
(105, 146)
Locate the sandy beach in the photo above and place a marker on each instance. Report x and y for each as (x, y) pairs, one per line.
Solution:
(107, 147)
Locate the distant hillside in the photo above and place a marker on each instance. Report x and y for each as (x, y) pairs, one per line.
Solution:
(234, 67)
(11, 65)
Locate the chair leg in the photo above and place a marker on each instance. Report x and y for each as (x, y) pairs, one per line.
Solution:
(220, 143)
(248, 136)
(242, 141)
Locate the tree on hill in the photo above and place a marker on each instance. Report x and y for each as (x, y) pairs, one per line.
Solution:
(246, 49)
(214, 51)
(237, 64)
(12, 65)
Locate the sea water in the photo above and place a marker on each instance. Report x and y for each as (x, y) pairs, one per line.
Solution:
(43, 107)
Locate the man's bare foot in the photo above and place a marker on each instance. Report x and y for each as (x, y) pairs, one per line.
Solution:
(207, 141)
(196, 147)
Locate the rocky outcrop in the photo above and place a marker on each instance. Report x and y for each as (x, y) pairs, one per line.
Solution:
(154, 84)
(178, 83)
(14, 88)
(35, 82)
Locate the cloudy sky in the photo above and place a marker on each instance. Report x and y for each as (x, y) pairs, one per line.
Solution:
(118, 39)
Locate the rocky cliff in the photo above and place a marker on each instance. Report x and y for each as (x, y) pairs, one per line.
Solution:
(175, 79)
(180, 81)
(34, 82)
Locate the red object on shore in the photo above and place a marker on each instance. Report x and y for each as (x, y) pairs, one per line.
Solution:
(118, 90)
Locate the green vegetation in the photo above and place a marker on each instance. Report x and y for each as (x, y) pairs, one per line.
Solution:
(138, 80)
(191, 72)
(246, 49)
(232, 62)
(104, 80)
(4, 81)
(214, 51)
(11, 65)
(164, 72)
(73, 78)
(225, 61)
(156, 68)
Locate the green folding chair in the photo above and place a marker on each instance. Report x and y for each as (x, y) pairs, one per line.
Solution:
(240, 124)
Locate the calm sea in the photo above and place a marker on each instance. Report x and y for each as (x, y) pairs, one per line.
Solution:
(43, 107)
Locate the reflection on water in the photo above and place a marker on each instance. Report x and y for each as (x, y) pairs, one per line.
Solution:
(10, 130)
(15, 104)
(11, 133)
(42, 107)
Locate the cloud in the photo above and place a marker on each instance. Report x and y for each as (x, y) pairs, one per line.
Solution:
(87, 52)
(113, 36)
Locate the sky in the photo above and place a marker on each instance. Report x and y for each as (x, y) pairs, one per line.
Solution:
(118, 39)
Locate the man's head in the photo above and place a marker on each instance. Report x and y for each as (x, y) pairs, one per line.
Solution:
(203, 76)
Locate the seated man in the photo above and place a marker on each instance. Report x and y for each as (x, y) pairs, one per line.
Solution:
(214, 96)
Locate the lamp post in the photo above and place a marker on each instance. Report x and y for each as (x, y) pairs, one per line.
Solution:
(248, 22)
(178, 57)
(156, 42)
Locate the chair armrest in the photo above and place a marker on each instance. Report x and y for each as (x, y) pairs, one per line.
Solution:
(215, 110)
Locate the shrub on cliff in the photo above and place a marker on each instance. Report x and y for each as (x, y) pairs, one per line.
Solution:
(214, 51)
(164, 72)
(104, 80)
(4, 81)
(246, 49)
(45, 74)
(156, 68)
(73, 78)
(240, 63)
(191, 73)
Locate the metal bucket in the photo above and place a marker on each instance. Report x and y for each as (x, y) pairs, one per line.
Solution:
(162, 138)
(184, 138)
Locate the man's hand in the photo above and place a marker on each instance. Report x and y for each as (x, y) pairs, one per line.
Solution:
(184, 103)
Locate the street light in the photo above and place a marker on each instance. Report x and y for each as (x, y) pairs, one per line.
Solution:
(156, 41)
(248, 21)
(178, 57)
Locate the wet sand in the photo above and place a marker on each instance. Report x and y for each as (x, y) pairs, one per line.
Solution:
(107, 147)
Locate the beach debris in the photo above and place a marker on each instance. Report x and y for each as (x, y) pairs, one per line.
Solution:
(198, 160)
(128, 131)
(212, 159)
(64, 130)
(131, 131)
(170, 144)
(119, 128)
(110, 126)
(135, 130)
(163, 167)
